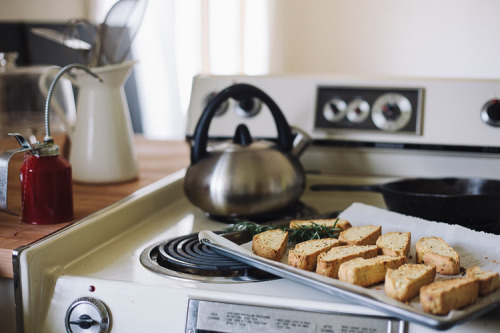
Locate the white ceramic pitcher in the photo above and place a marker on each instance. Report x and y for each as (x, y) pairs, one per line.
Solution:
(102, 149)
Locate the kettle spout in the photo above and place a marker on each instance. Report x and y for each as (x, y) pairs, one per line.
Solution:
(301, 142)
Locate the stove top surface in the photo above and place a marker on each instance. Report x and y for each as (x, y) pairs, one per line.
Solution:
(166, 241)
(102, 264)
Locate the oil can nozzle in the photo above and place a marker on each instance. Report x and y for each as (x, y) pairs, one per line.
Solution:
(48, 138)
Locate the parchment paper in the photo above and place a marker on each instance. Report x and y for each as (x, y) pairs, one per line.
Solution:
(475, 249)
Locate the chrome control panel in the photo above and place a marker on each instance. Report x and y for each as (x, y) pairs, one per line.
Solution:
(396, 110)
(213, 316)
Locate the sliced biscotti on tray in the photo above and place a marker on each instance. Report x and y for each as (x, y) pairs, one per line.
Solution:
(435, 251)
(305, 254)
(337, 223)
(488, 281)
(365, 272)
(270, 244)
(361, 235)
(404, 282)
(441, 297)
(395, 243)
(329, 262)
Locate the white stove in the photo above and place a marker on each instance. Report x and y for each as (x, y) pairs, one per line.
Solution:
(95, 275)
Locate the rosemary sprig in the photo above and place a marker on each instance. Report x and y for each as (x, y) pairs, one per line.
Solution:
(295, 235)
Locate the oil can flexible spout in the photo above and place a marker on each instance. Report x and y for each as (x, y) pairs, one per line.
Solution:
(48, 137)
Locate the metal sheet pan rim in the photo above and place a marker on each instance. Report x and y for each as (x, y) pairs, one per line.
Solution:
(346, 291)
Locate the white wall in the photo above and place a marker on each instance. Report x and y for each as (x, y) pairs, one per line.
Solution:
(447, 38)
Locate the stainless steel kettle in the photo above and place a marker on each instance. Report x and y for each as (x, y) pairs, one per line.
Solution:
(245, 177)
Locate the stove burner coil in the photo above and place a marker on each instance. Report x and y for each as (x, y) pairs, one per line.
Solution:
(187, 254)
(185, 257)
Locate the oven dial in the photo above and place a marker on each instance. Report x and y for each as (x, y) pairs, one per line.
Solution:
(248, 107)
(391, 112)
(334, 110)
(221, 109)
(87, 314)
(490, 113)
(358, 110)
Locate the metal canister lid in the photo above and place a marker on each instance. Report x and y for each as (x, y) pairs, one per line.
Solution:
(44, 149)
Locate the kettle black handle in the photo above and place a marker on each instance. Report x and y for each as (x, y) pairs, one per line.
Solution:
(238, 91)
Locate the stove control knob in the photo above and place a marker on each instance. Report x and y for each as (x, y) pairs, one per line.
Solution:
(358, 110)
(391, 112)
(248, 107)
(490, 113)
(334, 110)
(87, 314)
(221, 110)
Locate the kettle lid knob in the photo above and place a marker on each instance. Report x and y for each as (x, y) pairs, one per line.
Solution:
(242, 135)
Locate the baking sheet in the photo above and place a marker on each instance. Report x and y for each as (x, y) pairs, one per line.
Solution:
(475, 249)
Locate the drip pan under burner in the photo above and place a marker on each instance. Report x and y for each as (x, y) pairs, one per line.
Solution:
(186, 258)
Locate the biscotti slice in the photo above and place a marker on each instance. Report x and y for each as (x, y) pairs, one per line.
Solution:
(329, 262)
(305, 254)
(404, 283)
(338, 223)
(488, 281)
(362, 235)
(395, 243)
(441, 297)
(270, 244)
(435, 251)
(365, 272)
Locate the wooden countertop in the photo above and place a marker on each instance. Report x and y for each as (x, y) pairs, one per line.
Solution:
(156, 160)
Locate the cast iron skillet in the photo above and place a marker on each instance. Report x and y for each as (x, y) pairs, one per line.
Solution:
(465, 201)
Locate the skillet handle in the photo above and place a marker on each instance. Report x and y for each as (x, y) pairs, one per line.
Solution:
(339, 187)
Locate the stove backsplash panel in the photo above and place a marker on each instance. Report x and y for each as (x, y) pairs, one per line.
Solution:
(371, 125)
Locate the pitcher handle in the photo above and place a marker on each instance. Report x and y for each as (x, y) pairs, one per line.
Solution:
(4, 176)
(69, 117)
